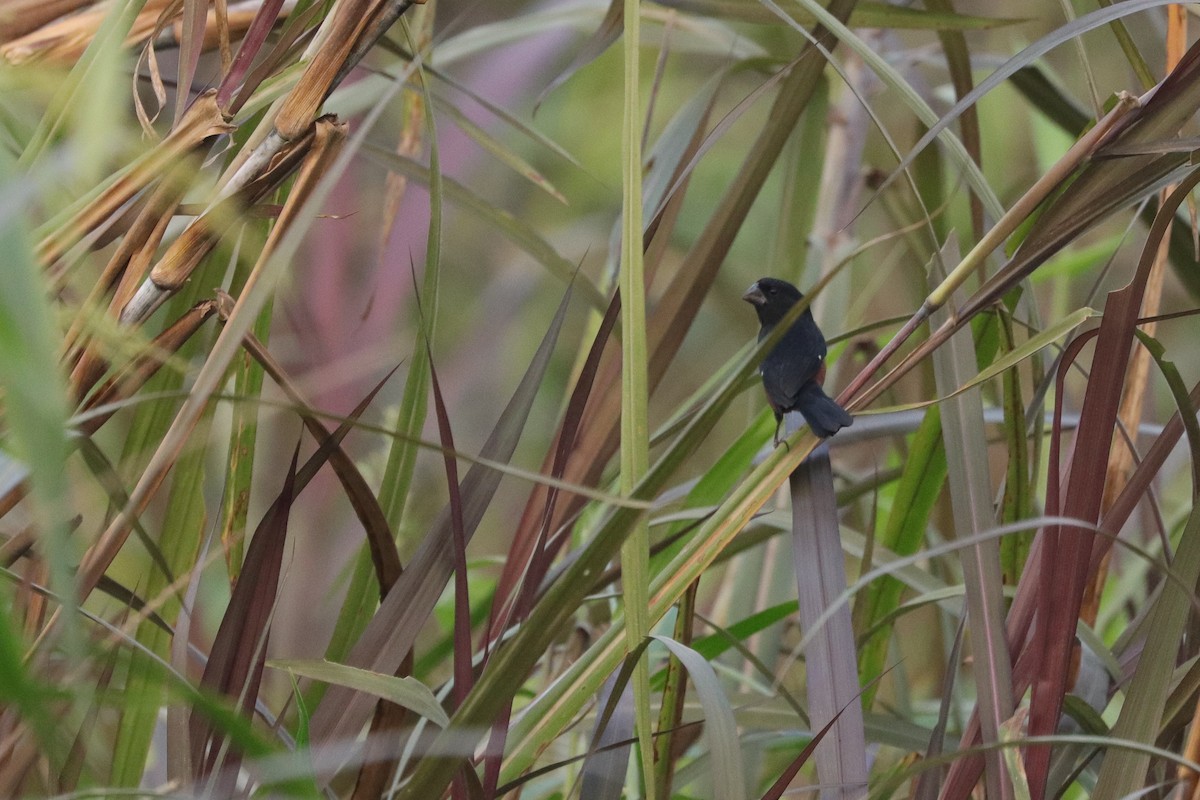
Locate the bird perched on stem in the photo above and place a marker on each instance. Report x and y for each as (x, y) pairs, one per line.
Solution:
(794, 370)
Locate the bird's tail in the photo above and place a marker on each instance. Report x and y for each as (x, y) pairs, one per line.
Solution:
(822, 414)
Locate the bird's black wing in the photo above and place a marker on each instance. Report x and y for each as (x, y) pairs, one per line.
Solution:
(795, 361)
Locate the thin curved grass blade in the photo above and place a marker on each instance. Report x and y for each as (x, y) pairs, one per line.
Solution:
(407, 692)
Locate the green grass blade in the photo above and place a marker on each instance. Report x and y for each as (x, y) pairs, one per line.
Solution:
(183, 529)
(517, 230)
(971, 503)
(904, 532)
(635, 391)
(34, 392)
(889, 75)
(86, 98)
(407, 692)
(393, 629)
(243, 434)
(397, 477)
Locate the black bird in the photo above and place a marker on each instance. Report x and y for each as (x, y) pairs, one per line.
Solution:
(794, 370)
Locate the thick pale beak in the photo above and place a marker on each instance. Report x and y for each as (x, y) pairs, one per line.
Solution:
(754, 295)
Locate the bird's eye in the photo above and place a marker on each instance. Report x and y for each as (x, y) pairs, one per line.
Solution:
(770, 290)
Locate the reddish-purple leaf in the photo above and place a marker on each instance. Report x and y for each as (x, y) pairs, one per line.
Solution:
(191, 44)
(238, 654)
(1067, 555)
(529, 557)
(256, 34)
(1062, 557)
(532, 552)
(235, 663)
(463, 677)
(298, 30)
(528, 560)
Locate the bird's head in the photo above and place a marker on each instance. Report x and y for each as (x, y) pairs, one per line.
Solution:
(771, 298)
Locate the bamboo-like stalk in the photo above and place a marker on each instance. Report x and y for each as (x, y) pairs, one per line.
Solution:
(350, 30)
(186, 253)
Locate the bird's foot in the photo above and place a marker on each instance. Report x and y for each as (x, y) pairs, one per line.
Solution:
(775, 438)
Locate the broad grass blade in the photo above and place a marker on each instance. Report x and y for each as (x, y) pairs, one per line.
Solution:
(34, 390)
(831, 657)
(603, 774)
(971, 503)
(720, 729)
(407, 692)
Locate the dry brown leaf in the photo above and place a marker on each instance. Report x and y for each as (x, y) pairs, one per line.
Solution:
(22, 16)
(65, 38)
(202, 121)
